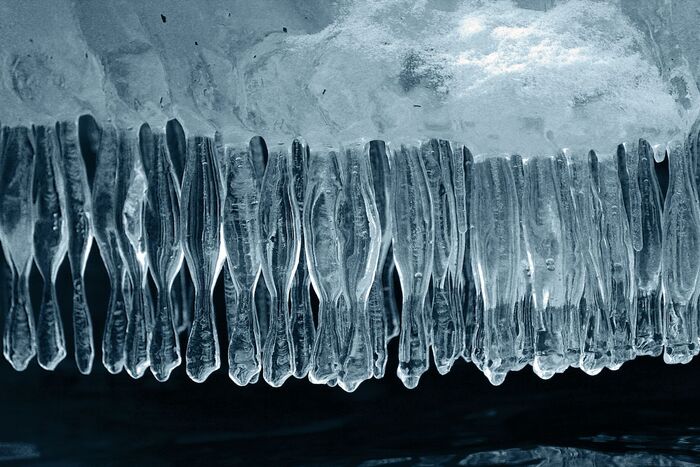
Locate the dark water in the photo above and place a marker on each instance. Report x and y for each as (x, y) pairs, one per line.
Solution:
(647, 413)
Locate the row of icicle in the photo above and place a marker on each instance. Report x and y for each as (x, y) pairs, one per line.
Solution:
(571, 260)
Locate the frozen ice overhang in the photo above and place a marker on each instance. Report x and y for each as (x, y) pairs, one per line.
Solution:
(526, 76)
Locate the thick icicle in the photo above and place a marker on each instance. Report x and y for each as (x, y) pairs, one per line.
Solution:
(680, 262)
(323, 255)
(106, 223)
(618, 259)
(200, 218)
(444, 318)
(360, 231)
(263, 301)
(413, 255)
(525, 343)
(649, 329)
(627, 174)
(279, 242)
(596, 347)
(182, 289)
(573, 260)
(472, 303)
(130, 209)
(302, 320)
(543, 221)
(241, 233)
(162, 222)
(16, 169)
(379, 313)
(50, 246)
(78, 216)
(495, 257)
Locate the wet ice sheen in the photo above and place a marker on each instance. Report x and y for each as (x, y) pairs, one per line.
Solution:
(553, 261)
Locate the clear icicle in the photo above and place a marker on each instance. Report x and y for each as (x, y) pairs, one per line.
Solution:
(78, 216)
(413, 255)
(596, 347)
(182, 289)
(523, 306)
(472, 304)
(106, 231)
(380, 314)
(680, 262)
(443, 320)
(302, 320)
(649, 328)
(543, 221)
(495, 249)
(133, 246)
(200, 218)
(241, 234)
(573, 260)
(50, 246)
(163, 245)
(16, 169)
(323, 256)
(618, 256)
(279, 243)
(361, 241)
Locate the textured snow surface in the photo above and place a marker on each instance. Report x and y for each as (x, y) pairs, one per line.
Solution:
(527, 75)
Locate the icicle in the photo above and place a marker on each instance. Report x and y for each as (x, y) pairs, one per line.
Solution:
(649, 328)
(573, 261)
(361, 241)
(200, 218)
(241, 233)
(302, 320)
(130, 210)
(323, 256)
(381, 315)
(618, 256)
(162, 223)
(413, 255)
(495, 245)
(16, 169)
(78, 217)
(182, 289)
(279, 242)
(543, 221)
(680, 262)
(106, 231)
(525, 343)
(50, 246)
(444, 318)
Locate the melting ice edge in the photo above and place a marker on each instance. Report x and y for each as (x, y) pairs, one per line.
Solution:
(580, 259)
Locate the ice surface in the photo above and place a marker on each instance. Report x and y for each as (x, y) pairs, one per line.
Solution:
(503, 77)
